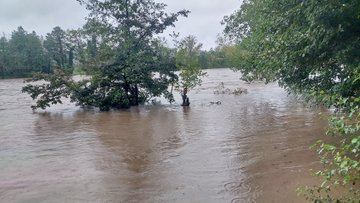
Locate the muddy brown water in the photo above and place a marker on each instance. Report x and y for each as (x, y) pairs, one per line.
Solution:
(251, 148)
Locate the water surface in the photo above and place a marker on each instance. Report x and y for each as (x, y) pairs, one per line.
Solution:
(251, 148)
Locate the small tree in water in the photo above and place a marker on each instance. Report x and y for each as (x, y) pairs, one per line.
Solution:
(187, 61)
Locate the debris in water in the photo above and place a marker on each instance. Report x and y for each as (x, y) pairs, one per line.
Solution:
(220, 89)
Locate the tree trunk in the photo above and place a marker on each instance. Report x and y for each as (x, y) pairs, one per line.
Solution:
(2, 71)
(185, 98)
(136, 94)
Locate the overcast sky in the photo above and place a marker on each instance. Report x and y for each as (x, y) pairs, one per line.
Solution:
(42, 15)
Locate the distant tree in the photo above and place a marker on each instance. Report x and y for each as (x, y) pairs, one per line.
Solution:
(203, 60)
(77, 53)
(59, 49)
(17, 51)
(3, 55)
(216, 57)
(35, 54)
(24, 54)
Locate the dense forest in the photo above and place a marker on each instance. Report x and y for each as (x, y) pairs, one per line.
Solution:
(24, 53)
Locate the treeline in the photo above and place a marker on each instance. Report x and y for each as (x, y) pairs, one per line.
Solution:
(214, 58)
(26, 52)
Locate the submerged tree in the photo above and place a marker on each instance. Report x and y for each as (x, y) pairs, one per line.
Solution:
(187, 61)
(309, 47)
(130, 66)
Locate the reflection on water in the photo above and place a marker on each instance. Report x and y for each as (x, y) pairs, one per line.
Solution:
(251, 148)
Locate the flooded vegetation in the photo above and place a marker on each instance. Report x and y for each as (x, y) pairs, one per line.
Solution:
(252, 147)
(144, 124)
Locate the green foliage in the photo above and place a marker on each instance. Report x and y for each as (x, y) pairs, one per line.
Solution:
(97, 92)
(309, 47)
(302, 44)
(25, 53)
(22, 54)
(3, 55)
(59, 49)
(215, 57)
(187, 61)
(57, 86)
(126, 64)
(341, 159)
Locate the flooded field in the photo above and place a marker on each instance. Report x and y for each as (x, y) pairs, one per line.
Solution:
(250, 148)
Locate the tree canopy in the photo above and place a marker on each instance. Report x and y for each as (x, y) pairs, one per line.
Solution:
(302, 44)
(22, 54)
(128, 63)
(311, 48)
(187, 62)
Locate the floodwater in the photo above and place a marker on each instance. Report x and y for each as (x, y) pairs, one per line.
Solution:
(250, 148)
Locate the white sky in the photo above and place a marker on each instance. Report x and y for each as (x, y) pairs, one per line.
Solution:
(42, 15)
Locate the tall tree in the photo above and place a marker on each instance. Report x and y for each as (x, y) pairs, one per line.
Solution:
(58, 48)
(3, 55)
(25, 54)
(35, 55)
(131, 66)
(290, 41)
(17, 49)
(309, 47)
